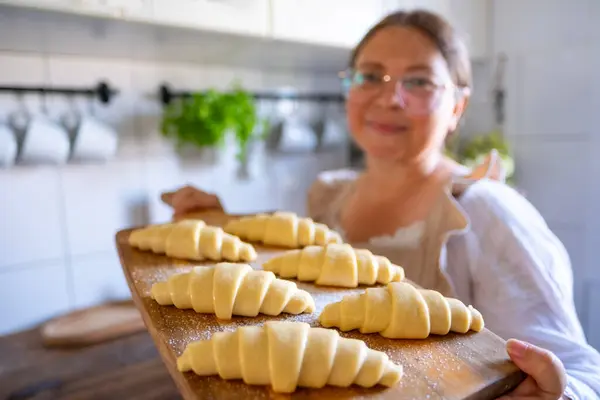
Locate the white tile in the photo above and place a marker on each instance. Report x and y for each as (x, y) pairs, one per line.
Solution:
(556, 94)
(32, 294)
(31, 227)
(593, 333)
(555, 178)
(594, 123)
(168, 173)
(249, 79)
(248, 196)
(254, 193)
(512, 86)
(223, 77)
(98, 278)
(22, 69)
(574, 241)
(525, 25)
(477, 120)
(179, 76)
(592, 253)
(99, 200)
(579, 296)
(292, 187)
(482, 81)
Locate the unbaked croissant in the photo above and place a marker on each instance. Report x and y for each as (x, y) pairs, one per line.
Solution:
(335, 265)
(192, 240)
(400, 311)
(283, 229)
(287, 355)
(227, 289)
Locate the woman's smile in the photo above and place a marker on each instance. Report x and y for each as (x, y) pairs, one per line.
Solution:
(387, 128)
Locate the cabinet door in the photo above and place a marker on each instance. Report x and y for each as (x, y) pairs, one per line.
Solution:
(333, 22)
(42, 4)
(139, 9)
(248, 17)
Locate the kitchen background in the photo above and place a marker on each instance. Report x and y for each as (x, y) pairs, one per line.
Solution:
(57, 221)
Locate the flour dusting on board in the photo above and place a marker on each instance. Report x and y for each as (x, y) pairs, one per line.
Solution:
(432, 367)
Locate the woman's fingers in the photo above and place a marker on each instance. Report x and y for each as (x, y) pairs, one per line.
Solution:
(541, 365)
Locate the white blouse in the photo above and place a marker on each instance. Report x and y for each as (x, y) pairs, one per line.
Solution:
(517, 273)
(513, 269)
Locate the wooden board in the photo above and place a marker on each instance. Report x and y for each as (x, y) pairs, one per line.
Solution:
(470, 366)
(128, 368)
(92, 325)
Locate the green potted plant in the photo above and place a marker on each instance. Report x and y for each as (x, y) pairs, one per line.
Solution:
(203, 121)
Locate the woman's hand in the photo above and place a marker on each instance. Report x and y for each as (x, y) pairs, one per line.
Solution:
(490, 168)
(188, 199)
(547, 378)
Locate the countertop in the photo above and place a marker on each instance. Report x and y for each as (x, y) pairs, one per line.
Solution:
(124, 368)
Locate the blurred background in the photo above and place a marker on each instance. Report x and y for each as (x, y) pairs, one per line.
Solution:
(93, 126)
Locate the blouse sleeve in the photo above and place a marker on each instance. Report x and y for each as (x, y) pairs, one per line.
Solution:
(523, 285)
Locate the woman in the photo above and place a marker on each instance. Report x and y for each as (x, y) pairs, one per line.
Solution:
(407, 87)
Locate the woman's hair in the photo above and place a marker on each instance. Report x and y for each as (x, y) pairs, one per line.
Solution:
(444, 36)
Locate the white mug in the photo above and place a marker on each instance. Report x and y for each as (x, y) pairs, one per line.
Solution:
(93, 140)
(8, 146)
(44, 141)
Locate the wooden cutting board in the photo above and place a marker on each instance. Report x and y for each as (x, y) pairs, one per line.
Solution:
(92, 325)
(470, 366)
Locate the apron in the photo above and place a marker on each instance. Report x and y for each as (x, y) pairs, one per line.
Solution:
(419, 248)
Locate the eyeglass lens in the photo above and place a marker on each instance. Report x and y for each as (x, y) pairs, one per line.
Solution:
(417, 95)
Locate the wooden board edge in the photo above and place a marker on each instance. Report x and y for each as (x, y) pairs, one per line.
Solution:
(500, 387)
(163, 350)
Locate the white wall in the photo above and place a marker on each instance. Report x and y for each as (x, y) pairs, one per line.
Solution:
(553, 98)
(57, 223)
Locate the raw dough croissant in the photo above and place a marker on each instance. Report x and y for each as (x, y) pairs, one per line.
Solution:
(192, 240)
(400, 311)
(286, 355)
(227, 289)
(335, 265)
(284, 229)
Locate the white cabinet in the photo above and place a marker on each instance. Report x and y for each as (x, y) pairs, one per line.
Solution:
(339, 23)
(138, 9)
(247, 17)
(469, 17)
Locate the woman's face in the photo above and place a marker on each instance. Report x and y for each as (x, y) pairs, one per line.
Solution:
(408, 116)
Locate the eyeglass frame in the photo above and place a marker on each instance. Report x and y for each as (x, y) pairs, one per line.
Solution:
(459, 91)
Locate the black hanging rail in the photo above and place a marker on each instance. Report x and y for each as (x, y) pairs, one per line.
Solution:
(102, 91)
(167, 95)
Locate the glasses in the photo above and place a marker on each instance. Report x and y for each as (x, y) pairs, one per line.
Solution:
(417, 95)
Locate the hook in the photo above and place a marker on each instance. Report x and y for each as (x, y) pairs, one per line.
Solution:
(21, 112)
(43, 103)
(91, 106)
(165, 94)
(72, 117)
